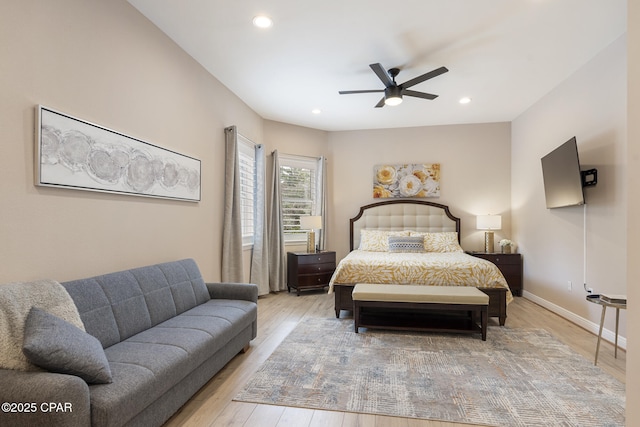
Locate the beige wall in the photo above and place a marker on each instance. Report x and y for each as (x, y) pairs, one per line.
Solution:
(292, 139)
(475, 178)
(590, 105)
(633, 219)
(105, 63)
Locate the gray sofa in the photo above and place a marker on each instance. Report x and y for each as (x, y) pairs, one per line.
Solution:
(165, 334)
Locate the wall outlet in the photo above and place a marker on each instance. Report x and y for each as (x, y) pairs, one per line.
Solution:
(569, 285)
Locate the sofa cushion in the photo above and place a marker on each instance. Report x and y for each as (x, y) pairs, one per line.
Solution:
(220, 319)
(58, 346)
(187, 286)
(149, 363)
(119, 305)
(95, 310)
(157, 292)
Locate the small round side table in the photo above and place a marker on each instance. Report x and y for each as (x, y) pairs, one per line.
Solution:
(617, 305)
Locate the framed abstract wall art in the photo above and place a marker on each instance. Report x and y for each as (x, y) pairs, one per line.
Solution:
(407, 180)
(72, 153)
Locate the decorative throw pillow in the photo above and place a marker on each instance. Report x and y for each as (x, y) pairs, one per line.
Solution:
(440, 242)
(58, 346)
(406, 244)
(16, 300)
(377, 240)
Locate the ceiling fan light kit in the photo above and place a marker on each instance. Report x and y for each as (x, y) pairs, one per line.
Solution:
(393, 96)
(394, 92)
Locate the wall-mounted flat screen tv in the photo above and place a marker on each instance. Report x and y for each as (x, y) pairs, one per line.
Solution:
(562, 176)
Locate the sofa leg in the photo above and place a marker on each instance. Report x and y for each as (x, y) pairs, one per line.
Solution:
(245, 348)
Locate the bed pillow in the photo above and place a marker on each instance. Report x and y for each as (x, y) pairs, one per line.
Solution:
(410, 244)
(377, 240)
(440, 242)
(58, 346)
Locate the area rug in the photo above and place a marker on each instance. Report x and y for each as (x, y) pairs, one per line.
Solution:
(515, 378)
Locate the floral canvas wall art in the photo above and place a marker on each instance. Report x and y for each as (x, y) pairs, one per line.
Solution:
(408, 180)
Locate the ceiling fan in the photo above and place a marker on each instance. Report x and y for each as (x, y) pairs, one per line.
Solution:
(393, 92)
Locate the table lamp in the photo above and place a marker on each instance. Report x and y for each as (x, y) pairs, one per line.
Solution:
(311, 223)
(489, 223)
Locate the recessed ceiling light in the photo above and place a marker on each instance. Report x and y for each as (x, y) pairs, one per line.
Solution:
(262, 21)
(465, 100)
(316, 111)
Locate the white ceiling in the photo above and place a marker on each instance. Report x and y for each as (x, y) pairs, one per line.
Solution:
(504, 54)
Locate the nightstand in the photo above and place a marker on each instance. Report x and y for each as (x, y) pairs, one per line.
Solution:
(509, 264)
(309, 270)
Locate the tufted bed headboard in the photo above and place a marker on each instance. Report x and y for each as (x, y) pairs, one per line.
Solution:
(398, 215)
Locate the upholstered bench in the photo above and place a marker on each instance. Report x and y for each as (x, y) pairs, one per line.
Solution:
(421, 308)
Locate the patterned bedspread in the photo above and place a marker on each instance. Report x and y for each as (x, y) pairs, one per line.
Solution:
(436, 269)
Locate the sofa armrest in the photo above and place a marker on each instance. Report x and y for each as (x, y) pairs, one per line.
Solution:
(241, 291)
(43, 398)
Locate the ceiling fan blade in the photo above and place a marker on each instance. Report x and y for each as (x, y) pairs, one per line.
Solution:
(382, 74)
(347, 92)
(381, 103)
(426, 76)
(419, 94)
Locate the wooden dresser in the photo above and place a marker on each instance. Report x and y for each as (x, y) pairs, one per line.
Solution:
(309, 270)
(509, 264)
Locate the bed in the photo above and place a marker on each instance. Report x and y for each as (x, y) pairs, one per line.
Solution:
(384, 243)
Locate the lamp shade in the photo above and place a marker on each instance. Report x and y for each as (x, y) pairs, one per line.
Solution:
(311, 222)
(489, 222)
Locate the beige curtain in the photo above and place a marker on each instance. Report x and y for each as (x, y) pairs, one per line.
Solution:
(232, 227)
(277, 258)
(321, 195)
(260, 256)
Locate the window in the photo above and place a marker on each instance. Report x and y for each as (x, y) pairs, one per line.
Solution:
(298, 185)
(247, 159)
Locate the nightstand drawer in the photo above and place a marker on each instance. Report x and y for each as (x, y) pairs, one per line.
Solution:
(317, 258)
(327, 267)
(501, 258)
(314, 279)
(510, 269)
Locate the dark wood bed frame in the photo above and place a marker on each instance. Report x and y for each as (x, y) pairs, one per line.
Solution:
(343, 300)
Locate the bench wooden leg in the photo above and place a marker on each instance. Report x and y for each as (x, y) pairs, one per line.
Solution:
(356, 316)
(485, 320)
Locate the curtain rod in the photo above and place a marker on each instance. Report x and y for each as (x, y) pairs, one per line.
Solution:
(248, 140)
(300, 155)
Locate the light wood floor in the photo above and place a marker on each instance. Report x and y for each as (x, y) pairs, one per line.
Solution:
(279, 313)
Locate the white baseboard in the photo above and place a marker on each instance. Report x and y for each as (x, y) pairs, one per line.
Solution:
(580, 321)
